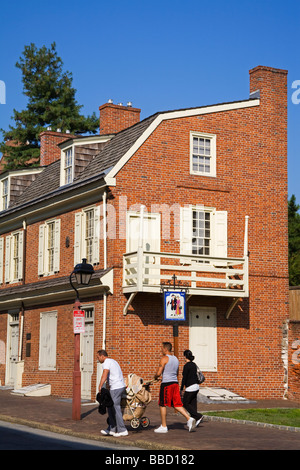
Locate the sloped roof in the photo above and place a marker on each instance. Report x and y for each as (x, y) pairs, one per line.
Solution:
(48, 182)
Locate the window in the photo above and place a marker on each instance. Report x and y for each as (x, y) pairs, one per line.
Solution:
(5, 194)
(87, 232)
(203, 231)
(67, 166)
(14, 257)
(49, 248)
(203, 154)
(89, 235)
(201, 240)
(48, 333)
(1, 259)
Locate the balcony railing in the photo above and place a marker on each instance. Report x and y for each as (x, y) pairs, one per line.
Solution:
(146, 271)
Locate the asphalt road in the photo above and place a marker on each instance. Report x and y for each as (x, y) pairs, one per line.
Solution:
(19, 437)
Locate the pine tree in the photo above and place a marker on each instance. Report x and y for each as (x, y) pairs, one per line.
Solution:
(51, 102)
(294, 241)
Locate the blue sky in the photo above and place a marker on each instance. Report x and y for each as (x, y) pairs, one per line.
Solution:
(159, 55)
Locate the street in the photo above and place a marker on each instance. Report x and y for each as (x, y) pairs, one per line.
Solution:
(19, 437)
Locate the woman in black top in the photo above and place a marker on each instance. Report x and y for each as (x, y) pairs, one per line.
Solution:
(190, 384)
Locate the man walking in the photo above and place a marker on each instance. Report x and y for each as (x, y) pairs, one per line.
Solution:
(169, 389)
(113, 375)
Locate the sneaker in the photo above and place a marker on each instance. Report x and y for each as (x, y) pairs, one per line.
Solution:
(161, 429)
(199, 421)
(191, 424)
(107, 432)
(119, 434)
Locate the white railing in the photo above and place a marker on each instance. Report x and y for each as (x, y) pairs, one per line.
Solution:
(145, 271)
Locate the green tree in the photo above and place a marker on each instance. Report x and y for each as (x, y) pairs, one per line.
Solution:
(51, 102)
(294, 241)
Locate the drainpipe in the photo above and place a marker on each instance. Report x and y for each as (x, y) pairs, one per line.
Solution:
(104, 198)
(23, 283)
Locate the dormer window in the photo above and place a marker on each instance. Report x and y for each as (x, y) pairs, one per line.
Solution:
(69, 165)
(5, 194)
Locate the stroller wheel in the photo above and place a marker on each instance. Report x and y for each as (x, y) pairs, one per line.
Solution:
(134, 423)
(145, 422)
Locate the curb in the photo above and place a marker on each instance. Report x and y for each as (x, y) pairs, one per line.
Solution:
(254, 423)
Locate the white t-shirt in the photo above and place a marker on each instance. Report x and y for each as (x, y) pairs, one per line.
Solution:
(115, 376)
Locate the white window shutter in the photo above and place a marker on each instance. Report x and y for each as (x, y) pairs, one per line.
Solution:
(77, 238)
(96, 258)
(7, 258)
(20, 259)
(186, 230)
(1, 259)
(220, 234)
(56, 245)
(48, 334)
(41, 252)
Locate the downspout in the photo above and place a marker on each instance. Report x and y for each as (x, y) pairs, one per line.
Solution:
(23, 283)
(104, 198)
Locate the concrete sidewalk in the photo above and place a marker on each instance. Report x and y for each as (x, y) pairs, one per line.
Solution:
(54, 414)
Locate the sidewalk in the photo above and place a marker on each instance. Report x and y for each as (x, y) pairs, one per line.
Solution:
(54, 414)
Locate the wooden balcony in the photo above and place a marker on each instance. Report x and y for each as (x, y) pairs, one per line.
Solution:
(202, 275)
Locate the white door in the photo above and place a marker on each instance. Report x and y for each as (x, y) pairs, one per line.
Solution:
(13, 349)
(203, 337)
(151, 242)
(87, 355)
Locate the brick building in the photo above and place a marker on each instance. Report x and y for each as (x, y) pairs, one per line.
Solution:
(199, 193)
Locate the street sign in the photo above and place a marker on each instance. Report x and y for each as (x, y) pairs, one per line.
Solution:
(78, 321)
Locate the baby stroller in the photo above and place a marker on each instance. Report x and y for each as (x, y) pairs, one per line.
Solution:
(135, 402)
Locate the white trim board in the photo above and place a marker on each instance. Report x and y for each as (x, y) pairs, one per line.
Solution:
(110, 177)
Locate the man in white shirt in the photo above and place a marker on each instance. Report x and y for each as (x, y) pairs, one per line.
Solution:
(112, 374)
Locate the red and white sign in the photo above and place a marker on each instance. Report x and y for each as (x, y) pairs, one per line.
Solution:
(78, 321)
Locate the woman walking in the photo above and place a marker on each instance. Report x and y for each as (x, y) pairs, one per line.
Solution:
(190, 386)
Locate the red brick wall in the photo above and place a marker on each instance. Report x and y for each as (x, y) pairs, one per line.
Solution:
(251, 180)
(114, 118)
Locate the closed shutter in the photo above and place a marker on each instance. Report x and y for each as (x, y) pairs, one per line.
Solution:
(77, 238)
(48, 333)
(41, 252)
(7, 258)
(220, 234)
(96, 258)
(20, 258)
(1, 259)
(186, 230)
(56, 245)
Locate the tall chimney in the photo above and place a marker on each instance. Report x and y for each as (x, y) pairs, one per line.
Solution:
(116, 117)
(49, 150)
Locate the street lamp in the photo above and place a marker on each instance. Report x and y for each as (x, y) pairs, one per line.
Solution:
(83, 273)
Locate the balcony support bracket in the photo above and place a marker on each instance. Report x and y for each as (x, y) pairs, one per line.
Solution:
(128, 303)
(231, 307)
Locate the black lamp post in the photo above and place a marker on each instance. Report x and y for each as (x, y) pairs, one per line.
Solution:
(83, 273)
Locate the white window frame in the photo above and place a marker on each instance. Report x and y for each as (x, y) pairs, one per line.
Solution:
(66, 166)
(218, 230)
(48, 340)
(13, 265)
(43, 253)
(213, 146)
(5, 195)
(80, 244)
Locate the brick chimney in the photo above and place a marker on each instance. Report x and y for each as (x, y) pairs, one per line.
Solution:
(49, 150)
(116, 117)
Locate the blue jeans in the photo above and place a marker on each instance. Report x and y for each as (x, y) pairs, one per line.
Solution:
(116, 423)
